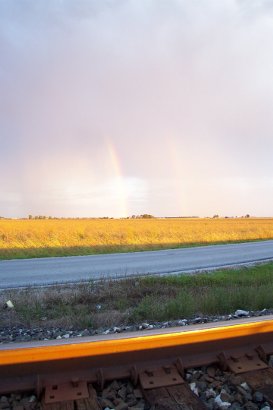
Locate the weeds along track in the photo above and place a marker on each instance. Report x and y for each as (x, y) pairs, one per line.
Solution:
(209, 366)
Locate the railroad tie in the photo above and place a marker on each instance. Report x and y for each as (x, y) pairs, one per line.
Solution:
(60, 402)
(165, 389)
(254, 369)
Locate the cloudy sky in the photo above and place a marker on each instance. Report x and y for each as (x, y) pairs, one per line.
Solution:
(122, 107)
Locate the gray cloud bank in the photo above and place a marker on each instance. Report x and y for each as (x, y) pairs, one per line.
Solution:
(144, 106)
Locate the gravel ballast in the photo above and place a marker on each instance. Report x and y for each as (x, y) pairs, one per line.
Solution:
(20, 334)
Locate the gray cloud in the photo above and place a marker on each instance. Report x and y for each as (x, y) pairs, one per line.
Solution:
(182, 92)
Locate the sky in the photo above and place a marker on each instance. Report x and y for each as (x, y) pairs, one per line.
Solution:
(114, 107)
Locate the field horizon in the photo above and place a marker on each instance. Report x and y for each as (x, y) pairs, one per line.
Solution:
(34, 238)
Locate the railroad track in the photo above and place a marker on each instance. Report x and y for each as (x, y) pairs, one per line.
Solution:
(213, 366)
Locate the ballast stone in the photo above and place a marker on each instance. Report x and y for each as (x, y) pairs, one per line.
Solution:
(258, 397)
(9, 305)
(222, 404)
(240, 313)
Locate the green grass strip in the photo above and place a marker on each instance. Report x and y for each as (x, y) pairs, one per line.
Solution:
(156, 298)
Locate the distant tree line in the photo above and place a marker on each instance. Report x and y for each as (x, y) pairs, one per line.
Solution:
(227, 217)
(143, 216)
(62, 217)
(182, 217)
(40, 217)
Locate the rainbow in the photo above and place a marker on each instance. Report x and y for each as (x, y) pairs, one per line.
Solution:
(118, 179)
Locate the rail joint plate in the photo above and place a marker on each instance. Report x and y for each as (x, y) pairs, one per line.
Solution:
(161, 377)
(241, 364)
(74, 390)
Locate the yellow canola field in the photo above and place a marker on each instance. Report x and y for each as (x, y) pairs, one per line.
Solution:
(53, 237)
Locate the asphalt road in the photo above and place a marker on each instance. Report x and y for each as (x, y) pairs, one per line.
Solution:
(46, 271)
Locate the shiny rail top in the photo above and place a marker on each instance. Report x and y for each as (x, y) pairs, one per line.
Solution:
(11, 354)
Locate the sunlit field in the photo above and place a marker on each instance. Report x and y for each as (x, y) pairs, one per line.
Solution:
(62, 237)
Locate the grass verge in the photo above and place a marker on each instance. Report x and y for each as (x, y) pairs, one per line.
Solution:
(115, 303)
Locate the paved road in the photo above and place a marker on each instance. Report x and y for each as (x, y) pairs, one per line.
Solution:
(45, 271)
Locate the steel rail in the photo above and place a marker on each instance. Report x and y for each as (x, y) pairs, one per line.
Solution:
(133, 342)
(33, 365)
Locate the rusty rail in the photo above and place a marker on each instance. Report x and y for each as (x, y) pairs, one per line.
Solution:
(38, 365)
